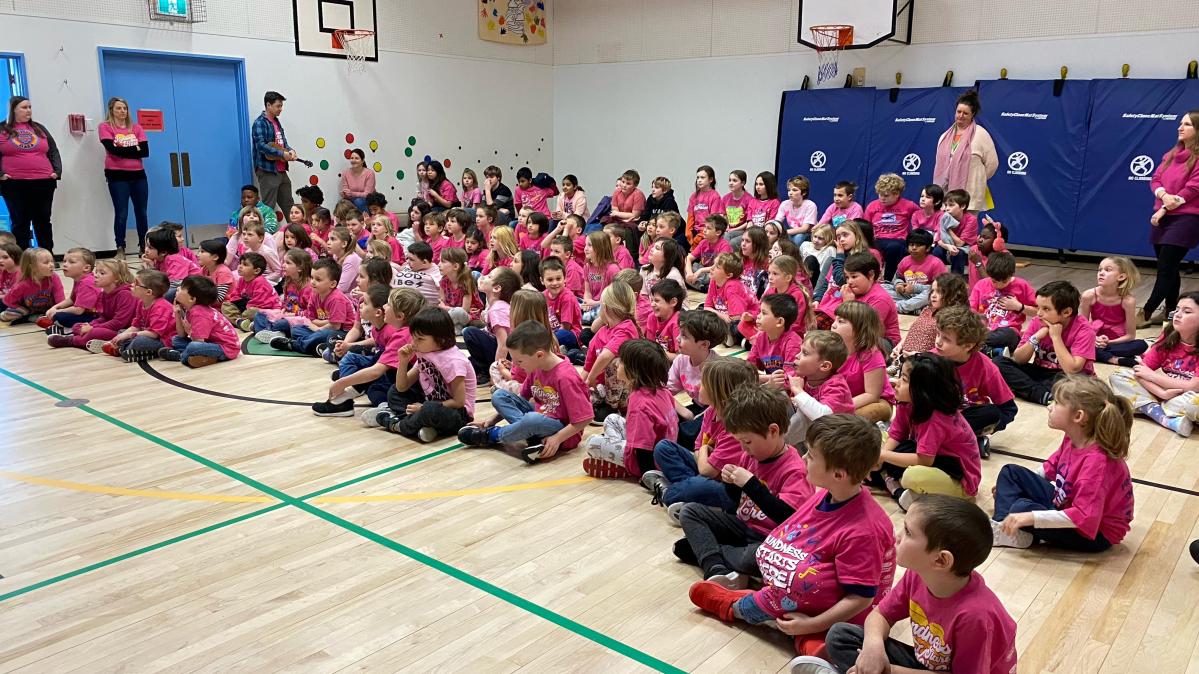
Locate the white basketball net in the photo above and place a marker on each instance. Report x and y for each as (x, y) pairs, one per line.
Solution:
(356, 46)
(829, 41)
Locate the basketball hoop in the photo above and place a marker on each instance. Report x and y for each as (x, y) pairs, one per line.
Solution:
(356, 45)
(830, 40)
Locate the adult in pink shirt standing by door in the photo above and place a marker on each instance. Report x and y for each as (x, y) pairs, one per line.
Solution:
(125, 146)
(358, 181)
(30, 169)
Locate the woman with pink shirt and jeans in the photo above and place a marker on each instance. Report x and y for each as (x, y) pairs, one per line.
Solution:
(30, 168)
(359, 181)
(125, 146)
(1175, 219)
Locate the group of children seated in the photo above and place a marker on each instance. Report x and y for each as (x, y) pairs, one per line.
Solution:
(569, 331)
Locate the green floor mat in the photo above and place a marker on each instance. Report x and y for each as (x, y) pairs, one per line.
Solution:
(253, 347)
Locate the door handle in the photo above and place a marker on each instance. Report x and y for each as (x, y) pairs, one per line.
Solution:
(187, 170)
(174, 169)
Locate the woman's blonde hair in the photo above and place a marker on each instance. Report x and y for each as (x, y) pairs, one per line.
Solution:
(618, 302)
(867, 327)
(1131, 275)
(112, 102)
(721, 376)
(1107, 418)
(601, 247)
(117, 268)
(503, 245)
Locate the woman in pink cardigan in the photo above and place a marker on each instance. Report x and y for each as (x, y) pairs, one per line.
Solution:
(966, 155)
(1175, 220)
(358, 181)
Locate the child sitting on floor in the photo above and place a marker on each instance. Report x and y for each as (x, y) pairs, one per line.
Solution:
(153, 325)
(703, 255)
(819, 389)
(618, 306)
(864, 370)
(212, 266)
(38, 289)
(1112, 309)
(1055, 343)
(566, 319)
(328, 315)
(699, 333)
(862, 276)
(1004, 300)
(251, 293)
(776, 346)
(489, 345)
(947, 290)
(916, 273)
(662, 324)
(727, 297)
(114, 308)
(203, 336)
(988, 405)
(83, 302)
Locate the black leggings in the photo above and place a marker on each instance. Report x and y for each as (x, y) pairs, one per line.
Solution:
(1169, 279)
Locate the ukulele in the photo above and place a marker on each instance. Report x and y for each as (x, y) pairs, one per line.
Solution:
(282, 150)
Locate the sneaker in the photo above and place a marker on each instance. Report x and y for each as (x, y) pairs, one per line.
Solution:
(532, 453)
(1195, 551)
(347, 395)
(655, 483)
(266, 336)
(1126, 361)
(244, 324)
(604, 470)
(56, 329)
(60, 341)
(374, 416)
(673, 511)
(984, 446)
(473, 436)
(201, 361)
(132, 355)
(602, 410)
(279, 343)
(905, 498)
(1181, 425)
(1001, 539)
(731, 580)
(321, 350)
(334, 409)
(172, 355)
(95, 346)
(44, 322)
(426, 433)
(716, 599)
(1046, 398)
(810, 664)
(684, 553)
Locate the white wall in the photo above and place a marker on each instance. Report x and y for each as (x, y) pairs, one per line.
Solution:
(438, 99)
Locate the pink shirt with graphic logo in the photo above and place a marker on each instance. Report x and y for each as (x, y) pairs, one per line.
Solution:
(769, 355)
(891, 222)
(730, 298)
(684, 376)
(941, 435)
(757, 212)
(985, 299)
(921, 272)
(564, 311)
(1078, 336)
(981, 382)
(650, 418)
(735, 209)
(598, 279)
(1181, 362)
(25, 154)
(207, 324)
(123, 138)
(834, 215)
(560, 393)
(34, 295)
(533, 197)
(1092, 489)
(439, 369)
(786, 476)
(705, 252)
(700, 206)
(665, 333)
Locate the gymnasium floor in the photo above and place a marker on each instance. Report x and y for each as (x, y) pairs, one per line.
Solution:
(181, 523)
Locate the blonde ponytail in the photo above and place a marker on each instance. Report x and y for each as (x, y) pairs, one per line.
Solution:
(1107, 418)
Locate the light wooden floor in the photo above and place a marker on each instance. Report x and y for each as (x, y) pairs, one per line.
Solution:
(162, 529)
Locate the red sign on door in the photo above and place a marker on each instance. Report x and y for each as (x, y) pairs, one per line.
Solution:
(150, 120)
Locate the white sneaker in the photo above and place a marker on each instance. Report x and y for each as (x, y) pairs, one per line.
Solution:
(673, 511)
(1002, 539)
(95, 345)
(906, 498)
(810, 664)
(427, 434)
(347, 395)
(265, 336)
(731, 580)
(370, 416)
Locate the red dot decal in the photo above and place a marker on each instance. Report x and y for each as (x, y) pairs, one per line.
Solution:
(349, 138)
(348, 153)
(447, 163)
(312, 180)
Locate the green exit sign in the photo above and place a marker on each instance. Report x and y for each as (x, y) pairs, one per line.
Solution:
(172, 9)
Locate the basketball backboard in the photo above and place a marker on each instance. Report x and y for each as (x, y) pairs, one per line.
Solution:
(873, 21)
(316, 20)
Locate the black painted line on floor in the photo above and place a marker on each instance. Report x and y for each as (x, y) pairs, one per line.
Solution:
(149, 369)
(1136, 480)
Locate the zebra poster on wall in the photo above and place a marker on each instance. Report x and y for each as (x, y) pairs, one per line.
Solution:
(519, 22)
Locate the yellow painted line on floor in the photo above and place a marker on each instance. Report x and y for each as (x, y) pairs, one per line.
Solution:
(224, 498)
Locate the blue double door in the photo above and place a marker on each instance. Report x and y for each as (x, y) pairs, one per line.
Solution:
(201, 158)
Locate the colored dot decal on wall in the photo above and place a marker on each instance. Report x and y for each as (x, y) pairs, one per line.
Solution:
(348, 153)
(399, 175)
(374, 146)
(324, 164)
(446, 162)
(428, 159)
(320, 142)
(378, 167)
(412, 140)
(407, 152)
(312, 180)
(349, 138)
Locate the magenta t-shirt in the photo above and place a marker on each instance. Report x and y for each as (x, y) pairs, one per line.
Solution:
(834, 215)
(981, 382)
(786, 476)
(624, 259)
(887, 311)
(393, 341)
(758, 212)
(115, 308)
(177, 267)
(574, 278)
(666, 334)
(1079, 338)
(25, 154)
(807, 560)
(970, 631)
(1181, 362)
(833, 392)
(258, 293)
(701, 205)
(35, 296)
(159, 318)
(769, 355)
(891, 222)
(706, 252)
(534, 197)
(121, 138)
(985, 299)
(85, 294)
(610, 338)
(735, 209)
(206, 324)
(730, 298)
(1109, 319)
(439, 369)
(858, 364)
(335, 308)
(1092, 489)
(564, 311)
(921, 272)
(560, 393)
(597, 280)
(725, 448)
(943, 434)
(650, 418)
(220, 275)
(926, 221)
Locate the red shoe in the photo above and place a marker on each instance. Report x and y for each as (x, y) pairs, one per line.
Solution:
(111, 349)
(59, 341)
(716, 599)
(811, 644)
(44, 322)
(604, 470)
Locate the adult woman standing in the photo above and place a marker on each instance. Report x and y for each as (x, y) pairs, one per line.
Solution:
(30, 168)
(359, 181)
(125, 146)
(1175, 219)
(442, 193)
(966, 155)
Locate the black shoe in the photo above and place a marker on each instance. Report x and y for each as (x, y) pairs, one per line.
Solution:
(532, 453)
(602, 410)
(328, 409)
(1126, 361)
(1046, 398)
(321, 349)
(172, 355)
(684, 553)
(281, 344)
(1195, 551)
(576, 357)
(473, 436)
(335, 375)
(984, 446)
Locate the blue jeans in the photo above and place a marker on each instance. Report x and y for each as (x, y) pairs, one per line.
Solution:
(304, 339)
(678, 464)
(1121, 350)
(567, 339)
(122, 191)
(188, 348)
(376, 391)
(1019, 490)
(68, 320)
(893, 251)
(359, 203)
(481, 345)
(523, 422)
(799, 239)
(140, 344)
(261, 322)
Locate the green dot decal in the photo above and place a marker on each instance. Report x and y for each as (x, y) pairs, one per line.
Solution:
(412, 140)
(400, 175)
(407, 152)
(324, 165)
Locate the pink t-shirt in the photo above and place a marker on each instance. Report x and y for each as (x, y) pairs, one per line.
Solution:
(397, 249)
(393, 341)
(177, 267)
(968, 229)
(334, 307)
(159, 318)
(650, 418)
(735, 209)
(725, 448)
(85, 294)
(609, 338)
(455, 295)
(220, 276)
(597, 280)
(700, 206)
(574, 278)
(25, 154)
(887, 311)
(786, 476)
(857, 365)
(472, 197)
(643, 311)
(35, 296)
(207, 324)
(943, 434)
(564, 311)
(730, 298)
(794, 217)
(439, 244)
(1108, 319)
(499, 316)
(624, 259)
(705, 252)
(1181, 362)
(807, 560)
(926, 221)
(801, 301)
(121, 138)
(1092, 489)
(529, 242)
(633, 202)
(115, 308)
(835, 216)
(258, 292)
(891, 222)
(970, 631)
(684, 376)
(534, 197)
(439, 369)
(921, 272)
(560, 393)
(294, 299)
(7, 280)
(768, 355)
(758, 212)
(664, 333)
(985, 299)
(833, 392)
(981, 382)
(749, 274)
(1079, 338)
